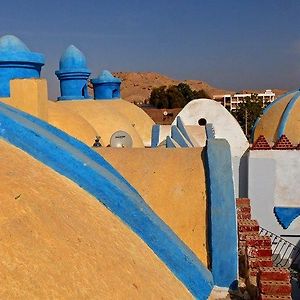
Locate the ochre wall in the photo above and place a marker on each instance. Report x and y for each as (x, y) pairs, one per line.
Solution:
(172, 182)
(29, 95)
(58, 242)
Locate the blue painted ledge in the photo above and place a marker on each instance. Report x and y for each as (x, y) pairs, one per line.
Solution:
(286, 215)
(221, 214)
(89, 170)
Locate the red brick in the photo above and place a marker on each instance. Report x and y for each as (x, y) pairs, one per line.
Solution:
(259, 251)
(257, 240)
(270, 297)
(248, 226)
(244, 216)
(243, 235)
(283, 144)
(243, 209)
(275, 288)
(242, 202)
(261, 144)
(274, 274)
(260, 262)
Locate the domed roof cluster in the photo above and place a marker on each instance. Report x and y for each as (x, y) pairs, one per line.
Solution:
(280, 118)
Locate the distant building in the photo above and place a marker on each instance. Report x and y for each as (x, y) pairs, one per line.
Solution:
(231, 102)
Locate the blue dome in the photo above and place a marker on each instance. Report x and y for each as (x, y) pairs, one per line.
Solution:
(72, 59)
(10, 43)
(106, 76)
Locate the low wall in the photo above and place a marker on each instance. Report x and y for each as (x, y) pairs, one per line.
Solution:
(172, 182)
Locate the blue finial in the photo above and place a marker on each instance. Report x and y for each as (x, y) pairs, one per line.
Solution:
(73, 74)
(72, 59)
(17, 61)
(106, 86)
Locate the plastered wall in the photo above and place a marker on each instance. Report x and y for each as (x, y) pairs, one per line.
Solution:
(274, 181)
(172, 182)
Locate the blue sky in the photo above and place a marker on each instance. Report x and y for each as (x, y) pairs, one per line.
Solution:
(230, 44)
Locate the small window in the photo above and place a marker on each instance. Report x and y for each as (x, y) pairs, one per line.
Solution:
(202, 122)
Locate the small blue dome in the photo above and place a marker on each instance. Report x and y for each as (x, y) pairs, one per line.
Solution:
(72, 59)
(10, 43)
(106, 76)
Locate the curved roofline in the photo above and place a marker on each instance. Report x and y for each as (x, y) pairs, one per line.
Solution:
(266, 109)
(286, 113)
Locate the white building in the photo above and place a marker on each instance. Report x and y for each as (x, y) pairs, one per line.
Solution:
(231, 102)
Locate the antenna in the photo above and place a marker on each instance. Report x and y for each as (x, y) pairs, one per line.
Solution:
(121, 139)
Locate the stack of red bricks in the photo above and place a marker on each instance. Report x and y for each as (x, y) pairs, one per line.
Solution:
(261, 144)
(283, 144)
(255, 257)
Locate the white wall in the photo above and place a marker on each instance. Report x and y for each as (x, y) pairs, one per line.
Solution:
(226, 127)
(274, 180)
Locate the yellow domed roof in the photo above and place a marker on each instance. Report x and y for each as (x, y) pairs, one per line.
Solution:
(107, 117)
(71, 123)
(280, 117)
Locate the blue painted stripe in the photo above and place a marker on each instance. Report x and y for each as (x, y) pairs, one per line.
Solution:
(221, 214)
(89, 170)
(286, 114)
(155, 135)
(182, 129)
(178, 137)
(210, 131)
(267, 108)
(286, 215)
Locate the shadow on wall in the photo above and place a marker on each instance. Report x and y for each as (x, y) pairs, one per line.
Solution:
(243, 175)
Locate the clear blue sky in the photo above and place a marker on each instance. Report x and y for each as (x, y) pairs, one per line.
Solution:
(241, 44)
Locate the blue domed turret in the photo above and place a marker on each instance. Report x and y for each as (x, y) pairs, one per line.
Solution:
(17, 61)
(73, 75)
(106, 86)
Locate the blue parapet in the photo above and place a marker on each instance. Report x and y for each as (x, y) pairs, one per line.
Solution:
(221, 214)
(73, 75)
(106, 86)
(17, 61)
(90, 171)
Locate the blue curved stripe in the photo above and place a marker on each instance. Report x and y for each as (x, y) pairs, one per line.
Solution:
(90, 171)
(267, 108)
(286, 114)
(286, 215)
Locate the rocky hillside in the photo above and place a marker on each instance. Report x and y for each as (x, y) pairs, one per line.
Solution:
(137, 86)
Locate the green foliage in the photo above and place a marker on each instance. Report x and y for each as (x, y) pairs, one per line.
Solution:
(175, 96)
(247, 112)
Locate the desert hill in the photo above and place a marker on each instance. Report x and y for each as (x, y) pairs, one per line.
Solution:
(137, 86)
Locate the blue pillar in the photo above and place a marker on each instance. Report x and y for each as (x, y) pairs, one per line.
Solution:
(73, 75)
(221, 214)
(17, 61)
(106, 86)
